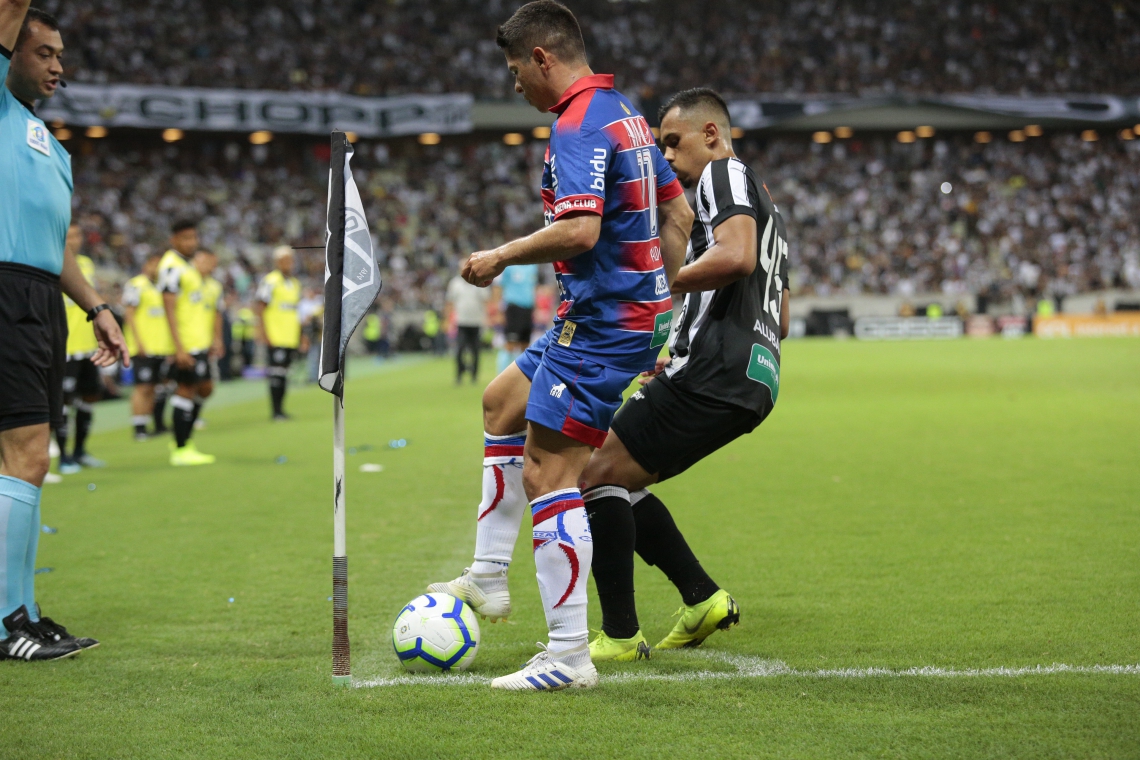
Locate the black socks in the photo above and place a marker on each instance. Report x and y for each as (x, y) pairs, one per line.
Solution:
(660, 543)
(83, 418)
(614, 534)
(183, 419)
(160, 396)
(277, 394)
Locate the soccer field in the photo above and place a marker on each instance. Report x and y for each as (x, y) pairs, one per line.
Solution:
(961, 517)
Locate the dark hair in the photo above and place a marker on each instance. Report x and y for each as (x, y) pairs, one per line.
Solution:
(183, 224)
(545, 24)
(38, 16)
(203, 249)
(696, 97)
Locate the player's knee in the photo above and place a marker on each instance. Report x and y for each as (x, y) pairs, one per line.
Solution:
(30, 466)
(205, 389)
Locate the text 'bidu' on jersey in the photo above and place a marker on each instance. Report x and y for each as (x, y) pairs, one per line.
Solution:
(615, 307)
(727, 343)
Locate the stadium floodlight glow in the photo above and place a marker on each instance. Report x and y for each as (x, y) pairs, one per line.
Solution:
(924, 131)
(821, 138)
(63, 134)
(906, 136)
(1090, 135)
(260, 137)
(844, 133)
(171, 135)
(1017, 135)
(96, 132)
(58, 123)
(541, 133)
(737, 133)
(1033, 130)
(982, 137)
(1127, 134)
(946, 188)
(513, 138)
(351, 137)
(429, 138)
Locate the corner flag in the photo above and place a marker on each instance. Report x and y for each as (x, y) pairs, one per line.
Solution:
(352, 281)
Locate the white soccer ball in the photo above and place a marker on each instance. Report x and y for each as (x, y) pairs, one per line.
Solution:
(436, 632)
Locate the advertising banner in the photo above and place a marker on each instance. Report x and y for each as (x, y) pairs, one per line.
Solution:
(1088, 325)
(907, 328)
(200, 108)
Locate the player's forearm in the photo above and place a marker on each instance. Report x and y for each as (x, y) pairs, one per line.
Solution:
(169, 304)
(785, 314)
(75, 285)
(12, 13)
(676, 226)
(732, 257)
(564, 239)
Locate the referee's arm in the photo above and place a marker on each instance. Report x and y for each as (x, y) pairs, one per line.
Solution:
(112, 346)
(12, 14)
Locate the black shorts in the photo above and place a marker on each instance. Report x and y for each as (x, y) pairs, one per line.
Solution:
(151, 370)
(519, 324)
(280, 357)
(198, 373)
(33, 349)
(667, 430)
(81, 378)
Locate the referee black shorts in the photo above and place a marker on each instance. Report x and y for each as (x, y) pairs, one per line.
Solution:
(667, 430)
(33, 347)
(519, 324)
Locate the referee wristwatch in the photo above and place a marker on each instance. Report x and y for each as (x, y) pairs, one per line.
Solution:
(93, 312)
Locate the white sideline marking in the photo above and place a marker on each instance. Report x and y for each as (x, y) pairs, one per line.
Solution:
(755, 667)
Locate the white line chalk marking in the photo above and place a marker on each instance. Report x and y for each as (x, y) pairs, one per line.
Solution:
(755, 667)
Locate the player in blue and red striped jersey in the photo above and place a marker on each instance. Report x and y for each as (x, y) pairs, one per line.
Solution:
(617, 225)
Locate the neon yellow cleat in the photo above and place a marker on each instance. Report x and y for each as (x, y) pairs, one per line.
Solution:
(717, 613)
(605, 649)
(188, 456)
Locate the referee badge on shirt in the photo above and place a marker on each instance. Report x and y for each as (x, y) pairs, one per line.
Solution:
(38, 137)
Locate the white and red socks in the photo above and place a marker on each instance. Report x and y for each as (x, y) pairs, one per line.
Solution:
(500, 511)
(563, 551)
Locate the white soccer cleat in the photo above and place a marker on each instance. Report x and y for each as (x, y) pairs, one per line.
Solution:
(544, 673)
(491, 605)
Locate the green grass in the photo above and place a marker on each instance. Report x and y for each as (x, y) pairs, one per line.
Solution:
(969, 504)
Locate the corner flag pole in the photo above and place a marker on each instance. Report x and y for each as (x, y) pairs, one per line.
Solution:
(350, 289)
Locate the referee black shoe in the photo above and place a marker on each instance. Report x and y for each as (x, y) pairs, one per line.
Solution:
(54, 633)
(25, 643)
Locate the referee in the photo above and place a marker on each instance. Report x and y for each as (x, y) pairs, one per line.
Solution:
(35, 212)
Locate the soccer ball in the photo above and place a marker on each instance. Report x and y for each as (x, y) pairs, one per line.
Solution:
(436, 632)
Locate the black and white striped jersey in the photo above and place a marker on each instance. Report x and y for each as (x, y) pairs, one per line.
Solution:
(726, 346)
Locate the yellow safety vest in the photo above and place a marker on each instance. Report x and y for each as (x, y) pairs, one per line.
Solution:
(150, 318)
(81, 341)
(280, 294)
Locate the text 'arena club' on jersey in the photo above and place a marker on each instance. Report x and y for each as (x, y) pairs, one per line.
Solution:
(727, 344)
(602, 159)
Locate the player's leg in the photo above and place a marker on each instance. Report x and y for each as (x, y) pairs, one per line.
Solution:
(142, 397)
(67, 463)
(89, 387)
(606, 484)
(500, 511)
(162, 393)
(571, 404)
(277, 373)
(186, 402)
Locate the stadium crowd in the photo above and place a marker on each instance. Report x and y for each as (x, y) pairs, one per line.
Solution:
(865, 215)
(787, 46)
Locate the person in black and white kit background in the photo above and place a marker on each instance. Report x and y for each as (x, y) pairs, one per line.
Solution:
(719, 382)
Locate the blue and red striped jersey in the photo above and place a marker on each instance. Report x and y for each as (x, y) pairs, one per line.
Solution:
(602, 159)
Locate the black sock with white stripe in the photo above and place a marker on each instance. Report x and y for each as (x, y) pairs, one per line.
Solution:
(614, 533)
(183, 419)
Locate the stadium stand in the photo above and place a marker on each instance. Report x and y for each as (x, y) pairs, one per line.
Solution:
(1053, 214)
(852, 47)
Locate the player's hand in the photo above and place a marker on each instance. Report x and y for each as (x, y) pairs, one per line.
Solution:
(482, 267)
(112, 345)
(218, 350)
(304, 348)
(183, 359)
(658, 368)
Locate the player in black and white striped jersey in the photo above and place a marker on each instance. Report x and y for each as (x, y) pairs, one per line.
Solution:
(720, 381)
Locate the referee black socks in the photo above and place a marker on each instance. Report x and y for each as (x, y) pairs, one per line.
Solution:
(660, 543)
(614, 534)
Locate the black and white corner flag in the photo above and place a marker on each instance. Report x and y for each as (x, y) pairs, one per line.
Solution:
(352, 279)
